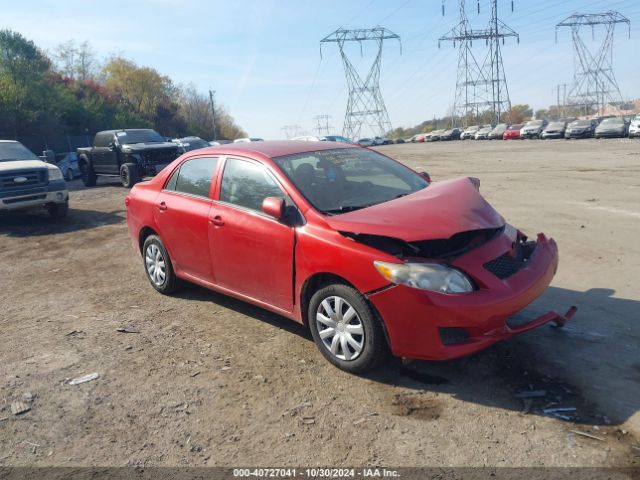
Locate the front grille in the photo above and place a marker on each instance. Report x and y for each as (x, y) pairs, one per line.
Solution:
(33, 178)
(160, 157)
(508, 264)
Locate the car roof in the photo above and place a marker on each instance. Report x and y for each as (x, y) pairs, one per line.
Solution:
(274, 148)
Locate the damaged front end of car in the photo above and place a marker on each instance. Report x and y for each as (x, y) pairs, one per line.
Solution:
(450, 297)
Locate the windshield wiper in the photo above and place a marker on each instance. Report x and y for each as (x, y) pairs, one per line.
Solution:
(346, 208)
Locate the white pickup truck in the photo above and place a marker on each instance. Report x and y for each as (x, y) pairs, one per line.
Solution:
(28, 182)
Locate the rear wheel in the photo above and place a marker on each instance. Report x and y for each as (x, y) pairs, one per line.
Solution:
(87, 174)
(158, 267)
(346, 330)
(129, 174)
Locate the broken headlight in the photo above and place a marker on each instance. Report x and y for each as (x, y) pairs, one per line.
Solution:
(426, 276)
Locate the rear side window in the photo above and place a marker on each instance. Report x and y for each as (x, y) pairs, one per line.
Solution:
(246, 184)
(193, 177)
(103, 139)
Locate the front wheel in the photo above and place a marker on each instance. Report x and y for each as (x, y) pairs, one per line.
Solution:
(129, 174)
(58, 210)
(158, 266)
(346, 330)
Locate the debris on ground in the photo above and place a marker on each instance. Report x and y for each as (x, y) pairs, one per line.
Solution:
(127, 330)
(308, 420)
(295, 410)
(72, 333)
(18, 408)
(84, 378)
(531, 394)
(588, 435)
(195, 374)
(28, 396)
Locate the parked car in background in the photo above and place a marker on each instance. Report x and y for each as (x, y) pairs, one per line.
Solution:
(533, 129)
(69, 166)
(497, 132)
(434, 136)
(27, 182)
(308, 138)
(483, 132)
(399, 140)
(128, 154)
(247, 140)
(366, 142)
(187, 144)
(581, 129)
(351, 244)
(614, 127)
(451, 134)
(469, 132)
(634, 127)
(513, 132)
(337, 138)
(554, 130)
(217, 143)
(420, 138)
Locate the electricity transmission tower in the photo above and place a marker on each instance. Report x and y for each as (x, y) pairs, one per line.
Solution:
(481, 85)
(594, 84)
(322, 126)
(291, 131)
(365, 107)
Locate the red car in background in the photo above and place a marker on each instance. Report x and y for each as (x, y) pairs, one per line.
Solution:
(371, 256)
(513, 132)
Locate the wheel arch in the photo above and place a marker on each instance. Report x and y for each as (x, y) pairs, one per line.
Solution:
(321, 279)
(145, 232)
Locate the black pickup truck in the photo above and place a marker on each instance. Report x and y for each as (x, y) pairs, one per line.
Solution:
(128, 154)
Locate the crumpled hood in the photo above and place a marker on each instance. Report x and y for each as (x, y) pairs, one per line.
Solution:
(437, 212)
(145, 147)
(22, 165)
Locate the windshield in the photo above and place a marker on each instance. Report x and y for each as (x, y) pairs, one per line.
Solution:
(610, 121)
(337, 138)
(555, 125)
(534, 123)
(15, 151)
(472, 129)
(138, 136)
(581, 123)
(343, 180)
(515, 127)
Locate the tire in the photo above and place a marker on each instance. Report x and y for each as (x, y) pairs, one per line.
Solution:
(129, 174)
(155, 259)
(87, 173)
(69, 175)
(371, 348)
(58, 210)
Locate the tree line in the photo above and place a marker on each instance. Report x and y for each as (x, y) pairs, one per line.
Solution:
(69, 90)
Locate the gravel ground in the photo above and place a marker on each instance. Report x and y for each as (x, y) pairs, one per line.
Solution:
(209, 380)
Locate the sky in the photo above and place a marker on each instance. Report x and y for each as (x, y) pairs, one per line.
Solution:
(263, 57)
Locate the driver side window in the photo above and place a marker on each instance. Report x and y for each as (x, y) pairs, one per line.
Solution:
(246, 184)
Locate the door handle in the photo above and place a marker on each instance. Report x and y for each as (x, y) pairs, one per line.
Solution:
(162, 206)
(217, 221)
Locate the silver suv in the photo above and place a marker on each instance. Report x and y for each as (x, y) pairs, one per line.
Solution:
(28, 182)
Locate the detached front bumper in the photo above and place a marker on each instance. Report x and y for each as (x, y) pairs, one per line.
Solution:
(436, 326)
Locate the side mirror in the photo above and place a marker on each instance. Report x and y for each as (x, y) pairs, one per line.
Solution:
(48, 156)
(426, 176)
(112, 146)
(274, 207)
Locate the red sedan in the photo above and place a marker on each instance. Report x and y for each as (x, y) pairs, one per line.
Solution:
(513, 132)
(371, 256)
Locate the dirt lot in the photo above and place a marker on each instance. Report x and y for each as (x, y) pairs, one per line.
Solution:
(212, 381)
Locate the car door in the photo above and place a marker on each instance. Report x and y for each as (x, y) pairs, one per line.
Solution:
(103, 155)
(182, 216)
(251, 252)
